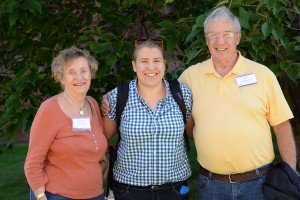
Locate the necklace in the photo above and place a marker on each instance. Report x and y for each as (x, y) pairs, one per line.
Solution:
(80, 108)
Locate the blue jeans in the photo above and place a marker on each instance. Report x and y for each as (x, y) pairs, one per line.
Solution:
(211, 189)
(127, 192)
(51, 196)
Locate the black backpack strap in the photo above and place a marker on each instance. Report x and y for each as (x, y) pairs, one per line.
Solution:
(177, 95)
(122, 97)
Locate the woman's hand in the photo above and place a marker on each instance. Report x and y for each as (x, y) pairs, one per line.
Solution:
(105, 105)
(43, 198)
(40, 193)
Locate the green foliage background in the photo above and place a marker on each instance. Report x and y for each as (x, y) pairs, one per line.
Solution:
(34, 31)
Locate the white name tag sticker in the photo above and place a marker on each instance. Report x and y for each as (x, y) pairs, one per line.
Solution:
(246, 79)
(81, 124)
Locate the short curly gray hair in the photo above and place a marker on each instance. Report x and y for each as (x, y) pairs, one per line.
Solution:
(222, 13)
(67, 55)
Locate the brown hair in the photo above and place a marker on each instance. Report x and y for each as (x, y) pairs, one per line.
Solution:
(151, 43)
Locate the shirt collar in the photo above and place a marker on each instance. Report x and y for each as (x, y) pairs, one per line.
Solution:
(237, 69)
(168, 91)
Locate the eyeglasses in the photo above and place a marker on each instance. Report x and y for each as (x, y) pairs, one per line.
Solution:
(226, 35)
(157, 41)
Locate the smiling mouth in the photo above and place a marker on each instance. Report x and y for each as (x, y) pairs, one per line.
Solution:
(221, 49)
(79, 84)
(151, 75)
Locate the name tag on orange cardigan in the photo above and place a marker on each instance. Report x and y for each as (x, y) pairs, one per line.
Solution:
(81, 124)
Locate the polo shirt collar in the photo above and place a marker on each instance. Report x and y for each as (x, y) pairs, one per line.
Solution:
(237, 69)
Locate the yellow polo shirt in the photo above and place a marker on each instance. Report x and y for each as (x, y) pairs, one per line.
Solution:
(232, 124)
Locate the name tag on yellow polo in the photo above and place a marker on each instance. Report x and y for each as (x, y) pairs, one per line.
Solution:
(246, 79)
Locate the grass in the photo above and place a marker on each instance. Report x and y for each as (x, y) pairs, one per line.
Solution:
(13, 184)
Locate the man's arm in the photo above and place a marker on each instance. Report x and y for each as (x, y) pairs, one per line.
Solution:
(286, 143)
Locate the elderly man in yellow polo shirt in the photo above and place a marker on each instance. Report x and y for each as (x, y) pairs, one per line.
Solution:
(236, 101)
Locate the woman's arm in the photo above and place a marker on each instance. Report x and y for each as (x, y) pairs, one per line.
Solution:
(187, 95)
(42, 134)
(110, 127)
(189, 127)
(105, 105)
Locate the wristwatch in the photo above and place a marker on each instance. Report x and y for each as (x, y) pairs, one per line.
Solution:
(40, 195)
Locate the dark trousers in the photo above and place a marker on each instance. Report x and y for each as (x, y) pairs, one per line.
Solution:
(169, 191)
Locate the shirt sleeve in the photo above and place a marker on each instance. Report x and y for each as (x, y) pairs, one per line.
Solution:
(112, 100)
(185, 78)
(277, 106)
(96, 106)
(187, 96)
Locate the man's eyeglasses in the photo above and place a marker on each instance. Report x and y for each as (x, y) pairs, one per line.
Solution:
(226, 35)
(157, 41)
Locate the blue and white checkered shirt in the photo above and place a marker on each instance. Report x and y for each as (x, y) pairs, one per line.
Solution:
(152, 147)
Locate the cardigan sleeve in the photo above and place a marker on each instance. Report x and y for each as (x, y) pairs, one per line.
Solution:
(42, 133)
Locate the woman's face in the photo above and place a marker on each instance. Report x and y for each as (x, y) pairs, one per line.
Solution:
(149, 66)
(76, 78)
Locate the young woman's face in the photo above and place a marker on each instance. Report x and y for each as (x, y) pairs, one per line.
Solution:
(76, 77)
(149, 66)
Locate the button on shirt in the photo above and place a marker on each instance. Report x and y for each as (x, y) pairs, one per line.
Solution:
(152, 148)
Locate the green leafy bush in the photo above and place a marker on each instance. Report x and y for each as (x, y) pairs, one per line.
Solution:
(34, 31)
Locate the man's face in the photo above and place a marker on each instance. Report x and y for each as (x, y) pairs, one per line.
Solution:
(222, 39)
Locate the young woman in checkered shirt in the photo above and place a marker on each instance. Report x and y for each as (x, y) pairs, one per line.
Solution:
(151, 159)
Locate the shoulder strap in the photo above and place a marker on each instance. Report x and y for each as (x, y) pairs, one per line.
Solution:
(96, 110)
(177, 95)
(122, 97)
